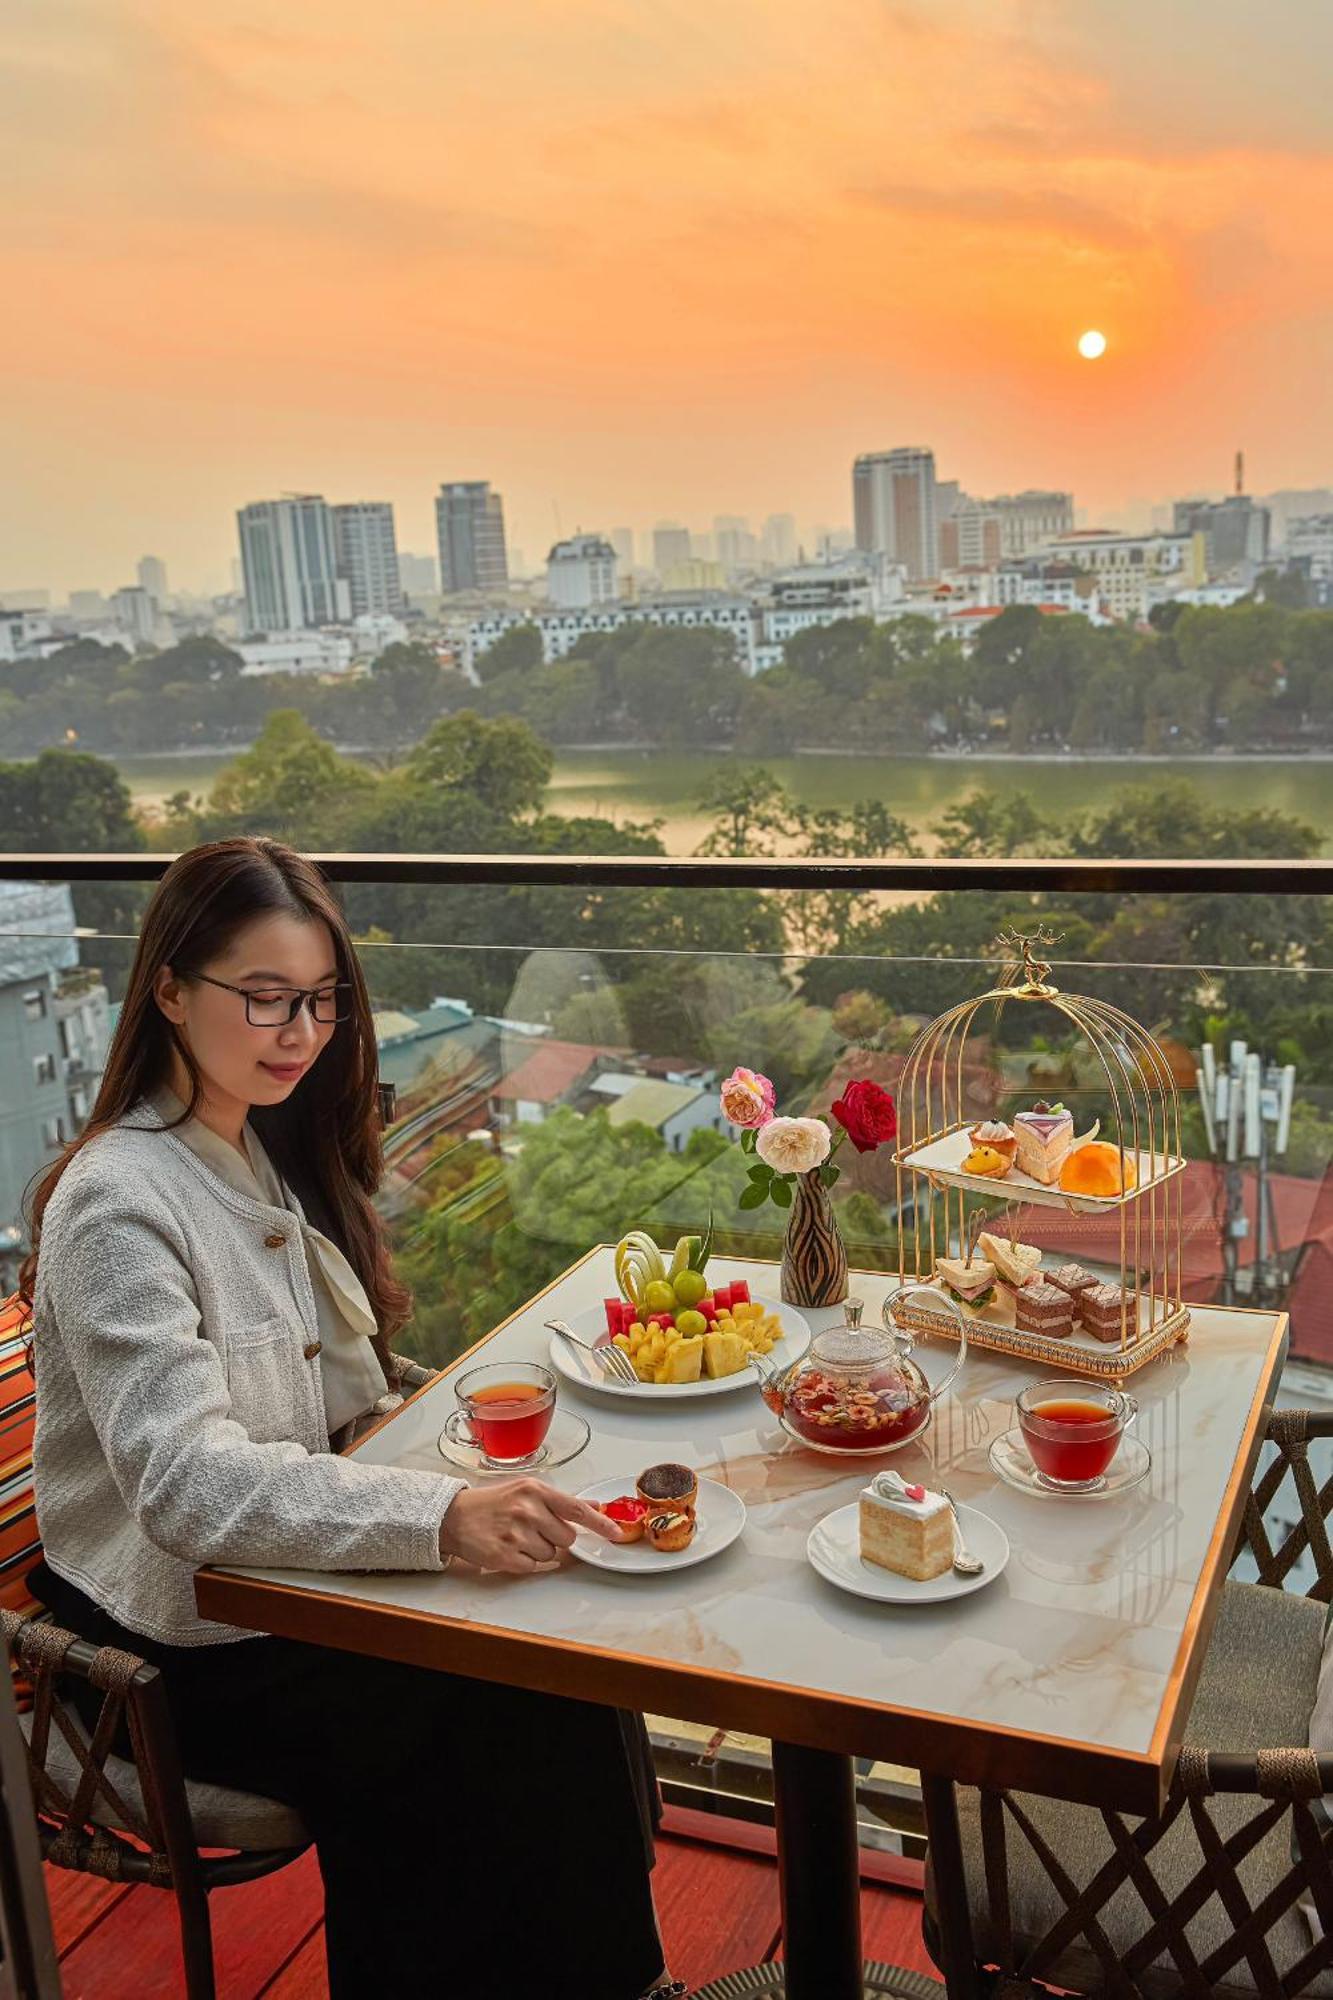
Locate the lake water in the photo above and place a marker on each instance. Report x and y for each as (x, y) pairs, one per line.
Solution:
(633, 785)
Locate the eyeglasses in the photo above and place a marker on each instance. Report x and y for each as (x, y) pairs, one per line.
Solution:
(278, 1007)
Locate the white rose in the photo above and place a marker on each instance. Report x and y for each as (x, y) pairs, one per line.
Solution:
(793, 1145)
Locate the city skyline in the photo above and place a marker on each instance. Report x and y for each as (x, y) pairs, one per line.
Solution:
(271, 261)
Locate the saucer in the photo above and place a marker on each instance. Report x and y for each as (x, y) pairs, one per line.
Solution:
(566, 1438)
(1128, 1469)
(834, 1549)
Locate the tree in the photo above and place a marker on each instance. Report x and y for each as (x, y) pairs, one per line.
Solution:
(499, 763)
(68, 802)
(681, 685)
(285, 783)
(517, 650)
(985, 824)
(750, 809)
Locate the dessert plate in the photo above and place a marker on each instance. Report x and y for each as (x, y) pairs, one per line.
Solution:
(566, 1438)
(944, 1158)
(1009, 1456)
(591, 1325)
(719, 1513)
(834, 1549)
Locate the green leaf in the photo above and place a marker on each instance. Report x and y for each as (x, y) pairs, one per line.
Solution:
(747, 1139)
(761, 1171)
(753, 1196)
(829, 1174)
(780, 1191)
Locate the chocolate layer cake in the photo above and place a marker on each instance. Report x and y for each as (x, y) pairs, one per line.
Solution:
(1099, 1310)
(1042, 1308)
(1073, 1279)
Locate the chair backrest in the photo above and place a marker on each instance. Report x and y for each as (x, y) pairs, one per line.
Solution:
(20, 1544)
(1290, 1432)
(29, 1968)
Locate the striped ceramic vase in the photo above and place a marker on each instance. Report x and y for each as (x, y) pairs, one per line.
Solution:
(814, 1262)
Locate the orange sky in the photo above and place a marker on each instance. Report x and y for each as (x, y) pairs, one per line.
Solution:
(642, 258)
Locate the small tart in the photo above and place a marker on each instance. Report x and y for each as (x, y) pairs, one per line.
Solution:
(1000, 1138)
(671, 1530)
(668, 1485)
(628, 1512)
(987, 1160)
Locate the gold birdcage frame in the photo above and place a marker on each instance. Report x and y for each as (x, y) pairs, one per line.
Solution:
(933, 1140)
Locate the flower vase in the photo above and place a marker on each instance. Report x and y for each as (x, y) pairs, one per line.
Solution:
(814, 1261)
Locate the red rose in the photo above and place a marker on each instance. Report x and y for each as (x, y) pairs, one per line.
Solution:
(867, 1114)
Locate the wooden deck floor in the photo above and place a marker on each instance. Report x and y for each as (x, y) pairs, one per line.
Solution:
(718, 1909)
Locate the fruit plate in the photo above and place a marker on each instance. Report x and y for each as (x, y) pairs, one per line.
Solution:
(942, 1159)
(719, 1512)
(591, 1325)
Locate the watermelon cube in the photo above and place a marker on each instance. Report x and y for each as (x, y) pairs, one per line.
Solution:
(740, 1292)
(614, 1321)
(722, 1297)
(662, 1319)
(708, 1306)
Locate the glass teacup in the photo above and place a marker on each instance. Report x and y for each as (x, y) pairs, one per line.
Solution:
(505, 1408)
(1073, 1430)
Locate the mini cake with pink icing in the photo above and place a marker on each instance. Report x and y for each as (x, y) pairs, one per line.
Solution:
(905, 1528)
(1044, 1137)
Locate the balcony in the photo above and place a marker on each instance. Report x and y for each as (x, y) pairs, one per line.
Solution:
(555, 1031)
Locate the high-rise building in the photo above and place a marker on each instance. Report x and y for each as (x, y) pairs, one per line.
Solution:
(135, 614)
(777, 544)
(153, 578)
(470, 527)
(1235, 530)
(1028, 520)
(580, 572)
(290, 565)
(419, 575)
(671, 545)
(622, 541)
(733, 544)
(893, 503)
(366, 548)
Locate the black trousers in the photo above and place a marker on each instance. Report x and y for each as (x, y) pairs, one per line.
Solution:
(477, 1842)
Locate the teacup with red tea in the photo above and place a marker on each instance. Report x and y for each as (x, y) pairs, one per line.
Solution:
(505, 1409)
(1073, 1431)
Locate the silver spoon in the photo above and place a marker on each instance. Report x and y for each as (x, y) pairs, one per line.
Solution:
(964, 1562)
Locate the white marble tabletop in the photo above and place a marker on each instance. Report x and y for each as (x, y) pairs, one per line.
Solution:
(1073, 1669)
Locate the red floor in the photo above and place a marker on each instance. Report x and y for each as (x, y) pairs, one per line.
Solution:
(718, 1908)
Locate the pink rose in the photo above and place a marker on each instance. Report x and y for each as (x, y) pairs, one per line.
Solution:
(748, 1099)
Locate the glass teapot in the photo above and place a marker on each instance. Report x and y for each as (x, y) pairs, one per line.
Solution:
(857, 1389)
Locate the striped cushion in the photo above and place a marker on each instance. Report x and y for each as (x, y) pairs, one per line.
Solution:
(20, 1547)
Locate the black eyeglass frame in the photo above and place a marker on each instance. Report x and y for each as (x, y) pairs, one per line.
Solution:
(301, 996)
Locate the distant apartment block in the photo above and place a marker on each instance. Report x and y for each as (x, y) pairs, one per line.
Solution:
(893, 505)
(1310, 543)
(777, 543)
(1010, 526)
(152, 574)
(622, 541)
(418, 575)
(671, 545)
(134, 613)
(366, 549)
(289, 565)
(470, 530)
(1133, 572)
(581, 571)
(1236, 531)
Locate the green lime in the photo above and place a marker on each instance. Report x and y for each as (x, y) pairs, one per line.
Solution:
(689, 1287)
(691, 1324)
(659, 1297)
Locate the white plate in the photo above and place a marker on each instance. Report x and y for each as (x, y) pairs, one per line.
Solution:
(944, 1158)
(719, 1514)
(1009, 1456)
(591, 1325)
(834, 1548)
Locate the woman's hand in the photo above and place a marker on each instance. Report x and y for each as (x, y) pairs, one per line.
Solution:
(517, 1525)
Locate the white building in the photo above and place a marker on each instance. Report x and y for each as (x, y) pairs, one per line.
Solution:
(893, 501)
(297, 653)
(561, 630)
(1311, 539)
(777, 544)
(1133, 572)
(819, 594)
(152, 573)
(290, 565)
(581, 572)
(134, 614)
(366, 551)
(27, 635)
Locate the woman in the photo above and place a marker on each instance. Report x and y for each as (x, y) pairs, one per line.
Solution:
(197, 1340)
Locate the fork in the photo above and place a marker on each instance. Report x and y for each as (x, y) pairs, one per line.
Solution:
(612, 1360)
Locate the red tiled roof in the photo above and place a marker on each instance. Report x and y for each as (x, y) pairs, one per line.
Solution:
(551, 1071)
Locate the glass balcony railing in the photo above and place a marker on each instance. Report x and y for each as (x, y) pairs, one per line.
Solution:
(555, 1044)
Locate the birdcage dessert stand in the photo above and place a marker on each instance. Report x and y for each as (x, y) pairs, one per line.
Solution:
(943, 1201)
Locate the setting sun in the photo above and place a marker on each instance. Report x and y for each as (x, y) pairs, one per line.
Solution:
(1092, 345)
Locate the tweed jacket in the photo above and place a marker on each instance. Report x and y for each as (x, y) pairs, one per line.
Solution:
(180, 1418)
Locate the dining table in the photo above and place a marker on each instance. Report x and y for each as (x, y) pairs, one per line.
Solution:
(1070, 1673)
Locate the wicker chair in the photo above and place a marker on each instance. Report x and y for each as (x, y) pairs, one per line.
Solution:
(1205, 1900)
(139, 1820)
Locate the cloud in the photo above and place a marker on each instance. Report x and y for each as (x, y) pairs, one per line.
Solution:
(1047, 212)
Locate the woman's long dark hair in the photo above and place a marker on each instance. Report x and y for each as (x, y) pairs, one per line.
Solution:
(325, 1138)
